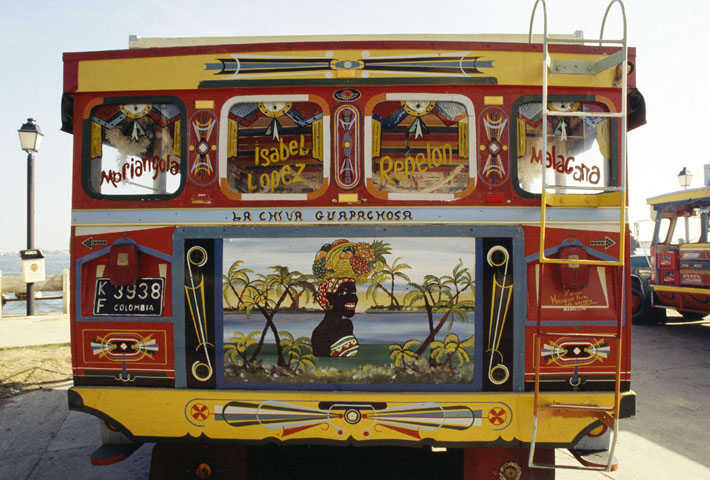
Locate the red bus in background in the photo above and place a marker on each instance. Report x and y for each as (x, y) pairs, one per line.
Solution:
(678, 275)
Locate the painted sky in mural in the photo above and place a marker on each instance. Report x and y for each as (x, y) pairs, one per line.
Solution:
(298, 254)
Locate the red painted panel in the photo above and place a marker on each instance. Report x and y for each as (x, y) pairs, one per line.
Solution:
(136, 348)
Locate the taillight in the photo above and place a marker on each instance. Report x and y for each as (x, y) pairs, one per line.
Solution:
(123, 264)
(573, 276)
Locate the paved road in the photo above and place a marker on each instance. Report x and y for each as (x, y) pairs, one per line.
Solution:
(669, 438)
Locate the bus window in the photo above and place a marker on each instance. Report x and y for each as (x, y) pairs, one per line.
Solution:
(664, 231)
(578, 148)
(275, 147)
(421, 146)
(689, 226)
(135, 150)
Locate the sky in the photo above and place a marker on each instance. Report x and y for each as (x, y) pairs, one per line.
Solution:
(671, 73)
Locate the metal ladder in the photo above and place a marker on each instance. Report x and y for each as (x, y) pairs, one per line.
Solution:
(604, 196)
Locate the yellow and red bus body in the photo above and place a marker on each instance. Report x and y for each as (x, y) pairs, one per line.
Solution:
(226, 194)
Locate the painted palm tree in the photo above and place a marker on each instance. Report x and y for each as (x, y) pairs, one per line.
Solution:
(266, 294)
(385, 273)
(430, 292)
(236, 282)
(460, 280)
(299, 352)
(238, 348)
(403, 355)
(449, 349)
(296, 285)
(438, 298)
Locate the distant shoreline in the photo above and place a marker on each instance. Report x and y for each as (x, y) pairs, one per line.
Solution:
(45, 252)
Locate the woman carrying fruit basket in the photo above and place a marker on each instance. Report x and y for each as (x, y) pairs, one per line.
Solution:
(339, 266)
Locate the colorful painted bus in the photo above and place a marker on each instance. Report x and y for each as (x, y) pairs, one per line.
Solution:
(679, 273)
(411, 242)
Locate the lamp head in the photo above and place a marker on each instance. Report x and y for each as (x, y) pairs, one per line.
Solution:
(30, 136)
(684, 178)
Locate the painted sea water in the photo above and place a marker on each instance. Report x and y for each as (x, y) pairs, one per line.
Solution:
(54, 264)
(369, 328)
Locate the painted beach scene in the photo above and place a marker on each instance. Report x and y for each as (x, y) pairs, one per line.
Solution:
(388, 310)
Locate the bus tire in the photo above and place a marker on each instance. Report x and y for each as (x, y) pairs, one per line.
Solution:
(641, 309)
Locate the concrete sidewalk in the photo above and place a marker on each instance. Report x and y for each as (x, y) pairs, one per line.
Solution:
(41, 439)
(40, 329)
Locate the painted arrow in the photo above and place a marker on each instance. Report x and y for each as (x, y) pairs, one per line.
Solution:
(90, 242)
(606, 243)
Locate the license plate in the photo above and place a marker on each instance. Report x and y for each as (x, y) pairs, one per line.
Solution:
(144, 299)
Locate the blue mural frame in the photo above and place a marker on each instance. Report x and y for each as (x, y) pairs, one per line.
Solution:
(515, 233)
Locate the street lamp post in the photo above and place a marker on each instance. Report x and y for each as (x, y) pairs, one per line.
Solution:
(30, 138)
(684, 179)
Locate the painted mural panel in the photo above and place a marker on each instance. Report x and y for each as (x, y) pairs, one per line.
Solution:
(420, 146)
(135, 149)
(275, 147)
(200, 313)
(579, 149)
(202, 157)
(349, 310)
(498, 313)
(493, 163)
(136, 354)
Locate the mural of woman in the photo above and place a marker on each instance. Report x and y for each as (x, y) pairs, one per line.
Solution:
(333, 337)
(339, 266)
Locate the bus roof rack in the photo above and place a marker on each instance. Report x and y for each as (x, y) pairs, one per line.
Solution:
(138, 42)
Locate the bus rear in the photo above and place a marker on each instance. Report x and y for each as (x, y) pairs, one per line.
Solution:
(395, 241)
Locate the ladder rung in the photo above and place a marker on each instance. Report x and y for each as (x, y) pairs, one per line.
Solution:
(583, 40)
(598, 263)
(583, 67)
(607, 189)
(591, 408)
(603, 414)
(603, 199)
(568, 467)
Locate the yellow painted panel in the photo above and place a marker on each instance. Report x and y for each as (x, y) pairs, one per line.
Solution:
(347, 198)
(232, 138)
(204, 104)
(376, 138)
(610, 199)
(177, 138)
(317, 139)
(447, 417)
(489, 100)
(187, 71)
(463, 138)
(96, 145)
